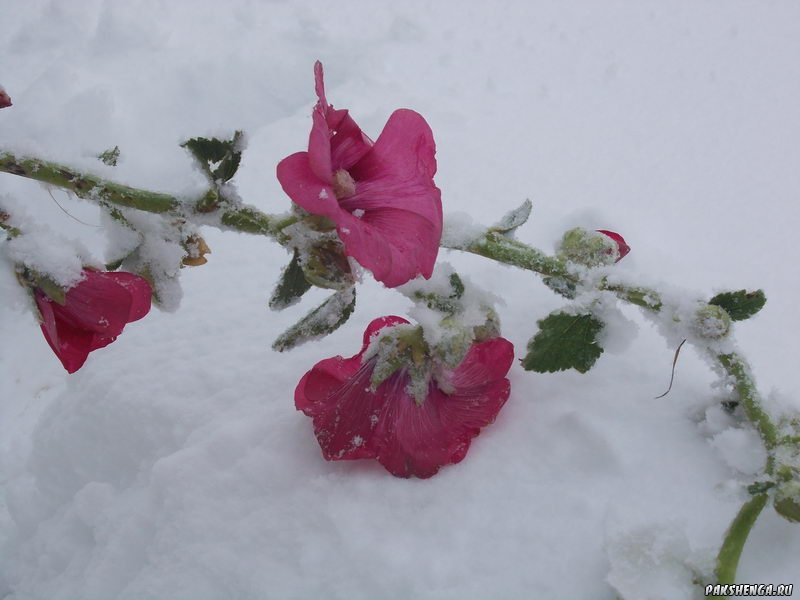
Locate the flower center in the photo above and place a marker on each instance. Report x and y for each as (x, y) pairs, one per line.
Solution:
(343, 184)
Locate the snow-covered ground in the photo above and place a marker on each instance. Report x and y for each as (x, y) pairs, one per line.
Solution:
(174, 465)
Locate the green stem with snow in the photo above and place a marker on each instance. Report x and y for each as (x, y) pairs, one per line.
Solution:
(735, 538)
(501, 248)
(246, 219)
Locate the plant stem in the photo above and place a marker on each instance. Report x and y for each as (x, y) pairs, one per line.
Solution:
(737, 368)
(736, 536)
(246, 219)
(87, 186)
(506, 250)
(503, 249)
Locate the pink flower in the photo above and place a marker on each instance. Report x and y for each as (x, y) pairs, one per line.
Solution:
(621, 245)
(95, 312)
(408, 438)
(5, 100)
(381, 196)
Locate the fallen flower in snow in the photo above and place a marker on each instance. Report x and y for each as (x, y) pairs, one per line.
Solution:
(94, 313)
(5, 99)
(621, 245)
(409, 436)
(381, 196)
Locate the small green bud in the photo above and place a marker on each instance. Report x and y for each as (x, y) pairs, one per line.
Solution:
(588, 248)
(712, 322)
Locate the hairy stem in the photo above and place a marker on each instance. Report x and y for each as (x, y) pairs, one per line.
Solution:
(738, 369)
(503, 249)
(246, 219)
(735, 538)
(87, 186)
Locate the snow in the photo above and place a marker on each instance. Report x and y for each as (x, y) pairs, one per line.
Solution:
(174, 465)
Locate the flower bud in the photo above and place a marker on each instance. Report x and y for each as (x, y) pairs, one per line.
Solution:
(622, 246)
(591, 249)
(712, 322)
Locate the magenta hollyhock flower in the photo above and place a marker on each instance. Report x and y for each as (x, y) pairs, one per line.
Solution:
(621, 245)
(5, 99)
(94, 313)
(381, 196)
(408, 438)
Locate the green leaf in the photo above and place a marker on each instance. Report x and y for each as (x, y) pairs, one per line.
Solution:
(110, 156)
(513, 219)
(740, 305)
(321, 321)
(291, 287)
(457, 285)
(564, 341)
(219, 159)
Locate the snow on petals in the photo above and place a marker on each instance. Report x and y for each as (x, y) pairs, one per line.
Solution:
(381, 195)
(409, 438)
(94, 313)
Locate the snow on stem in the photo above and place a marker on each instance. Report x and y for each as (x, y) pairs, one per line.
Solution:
(246, 219)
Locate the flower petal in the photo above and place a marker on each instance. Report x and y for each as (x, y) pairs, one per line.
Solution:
(351, 421)
(97, 304)
(319, 147)
(346, 142)
(486, 362)
(327, 375)
(305, 188)
(395, 244)
(622, 246)
(344, 412)
(319, 83)
(405, 150)
(410, 439)
(376, 325)
(139, 289)
(402, 207)
(336, 394)
(70, 344)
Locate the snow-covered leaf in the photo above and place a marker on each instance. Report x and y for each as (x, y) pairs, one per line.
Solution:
(110, 156)
(219, 159)
(514, 218)
(740, 305)
(291, 286)
(564, 341)
(325, 319)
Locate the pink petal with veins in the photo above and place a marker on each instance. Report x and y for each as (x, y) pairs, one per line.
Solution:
(351, 421)
(382, 197)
